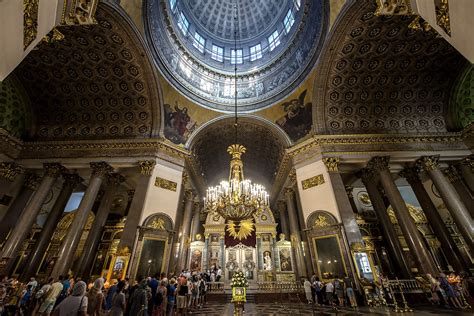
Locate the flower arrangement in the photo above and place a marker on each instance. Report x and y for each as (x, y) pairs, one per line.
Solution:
(239, 280)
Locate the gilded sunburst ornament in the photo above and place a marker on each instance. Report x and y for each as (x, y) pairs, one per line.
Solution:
(240, 230)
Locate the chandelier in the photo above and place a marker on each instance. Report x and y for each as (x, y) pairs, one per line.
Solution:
(238, 199)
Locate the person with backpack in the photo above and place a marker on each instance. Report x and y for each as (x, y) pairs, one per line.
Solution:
(339, 290)
(318, 289)
(350, 291)
(160, 300)
(202, 291)
(171, 292)
(181, 303)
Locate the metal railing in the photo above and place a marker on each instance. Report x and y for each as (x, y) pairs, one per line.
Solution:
(215, 287)
(279, 287)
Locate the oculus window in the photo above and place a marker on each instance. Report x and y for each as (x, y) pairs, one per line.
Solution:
(199, 42)
(289, 21)
(183, 23)
(217, 53)
(236, 56)
(255, 52)
(274, 40)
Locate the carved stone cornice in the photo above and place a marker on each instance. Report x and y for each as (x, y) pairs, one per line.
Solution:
(452, 174)
(9, 170)
(393, 7)
(146, 167)
(100, 168)
(53, 170)
(115, 178)
(429, 163)
(72, 179)
(411, 174)
(79, 12)
(379, 163)
(31, 181)
(331, 163)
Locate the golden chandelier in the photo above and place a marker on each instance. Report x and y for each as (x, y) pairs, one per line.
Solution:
(237, 199)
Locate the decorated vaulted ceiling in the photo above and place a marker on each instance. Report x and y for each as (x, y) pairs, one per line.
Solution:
(95, 83)
(265, 148)
(377, 75)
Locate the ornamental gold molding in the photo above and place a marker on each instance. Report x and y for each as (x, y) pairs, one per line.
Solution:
(100, 169)
(379, 163)
(442, 15)
(429, 163)
(166, 184)
(332, 164)
(9, 170)
(31, 181)
(53, 170)
(53, 36)
(30, 22)
(393, 7)
(312, 182)
(78, 12)
(157, 223)
(452, 174)
(146, 167)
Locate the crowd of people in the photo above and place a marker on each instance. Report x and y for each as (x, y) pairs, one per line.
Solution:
(338, 292)
(153, 296)
(451, 290)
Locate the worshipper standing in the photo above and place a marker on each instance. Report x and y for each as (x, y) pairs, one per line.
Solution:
(139, 299)
(51, 296)
(330, 294)
(350, 291)
(307, 291)
(118, 301)
(318, 289)
(66, 289)
(202, 291)
(75, 304)
(95, 298)
(448, 289)
(181, 302)
(110, 294)
(171, 296)
(153, 284)
(339, 290)
(160, 301)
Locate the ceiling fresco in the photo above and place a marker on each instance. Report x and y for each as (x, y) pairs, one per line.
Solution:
(462, 101)
(378, 75)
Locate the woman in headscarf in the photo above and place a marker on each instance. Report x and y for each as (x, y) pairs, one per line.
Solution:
(75, 304)
(95, 298)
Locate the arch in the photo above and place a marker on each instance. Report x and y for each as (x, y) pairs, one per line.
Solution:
(320, 219)
(159, 220)
(99, 82)
(377, 75)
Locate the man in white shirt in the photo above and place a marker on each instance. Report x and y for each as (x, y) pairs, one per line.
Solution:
(219, 274)
(50, 298)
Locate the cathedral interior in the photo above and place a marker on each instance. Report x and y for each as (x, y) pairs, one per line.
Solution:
(343, 127)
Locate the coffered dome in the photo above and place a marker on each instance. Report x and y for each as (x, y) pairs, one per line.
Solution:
(193, 41)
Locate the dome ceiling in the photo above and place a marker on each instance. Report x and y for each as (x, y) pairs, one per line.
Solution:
(96, 83)
(378, 75)
(193, 45)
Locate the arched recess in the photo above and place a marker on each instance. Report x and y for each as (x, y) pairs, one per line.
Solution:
(376, 75)
(99, 82)
(160, 221)
(265, 143)
(320, 219)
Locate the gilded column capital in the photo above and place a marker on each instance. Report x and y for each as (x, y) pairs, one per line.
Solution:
(281, 204)
(72, 179)
(100, 168)
(189, 194)
(411, 174)
(185, 178)
(452, 174)
(289, 192)
(53, 170)
(367, 175)
(468, 161)
(31, 181)
(379, 163)
(146, 167)
(9, 170)
(332, 164)
(115, 178)
(429, 163)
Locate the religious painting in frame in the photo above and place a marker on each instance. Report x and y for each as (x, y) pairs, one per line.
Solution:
(285, 259)
(329, 259)
(196, 259)
(118, 269)
(152, 256)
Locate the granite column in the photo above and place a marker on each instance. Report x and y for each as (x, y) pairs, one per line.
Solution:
(283, 219)
(466, 166)
(295, 234)
(455, 178)
(185, 228)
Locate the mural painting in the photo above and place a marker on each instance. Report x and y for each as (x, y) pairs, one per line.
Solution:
(178, 123)
(297, 120)
(285, 260)
(196, 260)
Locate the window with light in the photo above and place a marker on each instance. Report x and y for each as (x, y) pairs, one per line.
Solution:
(173, 4)
(255, 52)
(274, 40)
(199, 42)
(236, 56)
(298, 4)
(183, 23)
(217, 53)
(289, 21)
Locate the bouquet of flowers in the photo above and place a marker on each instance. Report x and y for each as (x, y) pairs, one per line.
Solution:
(239, 280)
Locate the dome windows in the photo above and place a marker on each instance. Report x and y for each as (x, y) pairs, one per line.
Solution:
(173, 4)
(183, 23)
(255, 52)
(217, 53)
(199, 42)
(289, 20)
(274, 40)
(236, 56)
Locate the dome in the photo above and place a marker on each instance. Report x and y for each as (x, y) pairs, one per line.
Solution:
(193, 43)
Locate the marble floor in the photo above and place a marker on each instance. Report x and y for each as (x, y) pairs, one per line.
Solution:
(219, 309)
